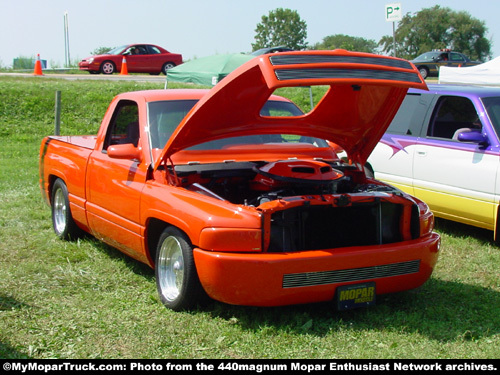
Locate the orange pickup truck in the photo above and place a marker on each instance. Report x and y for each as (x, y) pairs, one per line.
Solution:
(234, 193)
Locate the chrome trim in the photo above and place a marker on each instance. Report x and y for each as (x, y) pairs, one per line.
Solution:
(277, 60)
(325, 73)
(295, 280)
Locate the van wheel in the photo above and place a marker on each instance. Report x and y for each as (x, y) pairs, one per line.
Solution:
(177, 281)
(62, 221)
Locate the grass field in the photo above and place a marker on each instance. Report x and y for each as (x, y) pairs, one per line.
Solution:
(86, 300)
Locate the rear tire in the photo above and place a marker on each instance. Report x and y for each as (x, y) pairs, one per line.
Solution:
(62, 221)
(177, 280)
(424, 72)
(166, 67)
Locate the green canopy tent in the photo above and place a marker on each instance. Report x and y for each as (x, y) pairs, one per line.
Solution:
(208, 70)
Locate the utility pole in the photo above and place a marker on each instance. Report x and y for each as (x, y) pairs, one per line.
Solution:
(67, 60)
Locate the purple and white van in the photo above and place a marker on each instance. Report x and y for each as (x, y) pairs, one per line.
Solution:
(443, 147)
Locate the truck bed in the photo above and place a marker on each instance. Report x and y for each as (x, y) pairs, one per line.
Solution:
(85, 141)
(66, 157)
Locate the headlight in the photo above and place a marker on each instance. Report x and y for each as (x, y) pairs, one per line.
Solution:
(231, 239)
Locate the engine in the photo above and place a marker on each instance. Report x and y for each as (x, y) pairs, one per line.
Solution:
(353, 210)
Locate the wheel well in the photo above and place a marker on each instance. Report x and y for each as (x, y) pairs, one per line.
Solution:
(52, 179)
(154, 229)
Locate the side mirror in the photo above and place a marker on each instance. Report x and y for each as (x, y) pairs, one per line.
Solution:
(474, 137)
(125, 151)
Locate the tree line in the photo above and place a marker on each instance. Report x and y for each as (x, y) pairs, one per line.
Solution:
(432, 28)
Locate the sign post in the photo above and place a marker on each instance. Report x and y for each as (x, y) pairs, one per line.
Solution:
(393, 13)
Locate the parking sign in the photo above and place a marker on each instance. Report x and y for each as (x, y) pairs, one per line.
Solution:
(393, 12)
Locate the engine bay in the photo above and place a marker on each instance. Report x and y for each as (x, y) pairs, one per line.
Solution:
(322, 204)
(254, 183)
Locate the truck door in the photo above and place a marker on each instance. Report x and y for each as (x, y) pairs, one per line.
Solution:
(114, 185)
(456, 179)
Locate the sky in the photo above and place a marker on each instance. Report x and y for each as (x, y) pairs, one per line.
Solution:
(195, 28)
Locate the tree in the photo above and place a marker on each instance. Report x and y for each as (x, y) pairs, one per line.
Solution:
(351, 43)
(438, 27)
(281, 27)
(101, 51)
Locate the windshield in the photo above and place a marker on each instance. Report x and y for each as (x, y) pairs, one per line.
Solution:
(492, 105)
(165, 116)
(116, 50)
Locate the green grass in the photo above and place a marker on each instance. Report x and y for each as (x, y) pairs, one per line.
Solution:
(86, 300)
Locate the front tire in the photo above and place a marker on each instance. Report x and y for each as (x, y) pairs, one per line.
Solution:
(62, 221)
(107, 67)
(177, 281)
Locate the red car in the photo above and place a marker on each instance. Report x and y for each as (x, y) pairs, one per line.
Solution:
(140, 58)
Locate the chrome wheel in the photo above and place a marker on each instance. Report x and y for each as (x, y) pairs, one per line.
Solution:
(170, 268)
(177, 280)
(62, 220)
(60, 211)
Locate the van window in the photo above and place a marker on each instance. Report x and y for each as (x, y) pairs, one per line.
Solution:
(453, 115)
(492, 105)
(409, 118)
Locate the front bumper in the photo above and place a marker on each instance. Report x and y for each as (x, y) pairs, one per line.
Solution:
(274, 279)
(86, 66)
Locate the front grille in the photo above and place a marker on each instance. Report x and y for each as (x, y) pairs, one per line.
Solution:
(295, 280)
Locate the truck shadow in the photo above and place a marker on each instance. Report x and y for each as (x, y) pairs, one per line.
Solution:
(439, 310)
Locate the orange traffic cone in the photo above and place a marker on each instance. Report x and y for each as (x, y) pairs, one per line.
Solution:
(38, 67)
(124, 70)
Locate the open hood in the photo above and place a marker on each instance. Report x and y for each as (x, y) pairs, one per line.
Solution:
(365, 93)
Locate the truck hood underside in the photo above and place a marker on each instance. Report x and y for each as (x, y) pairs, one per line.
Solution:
(365, 93)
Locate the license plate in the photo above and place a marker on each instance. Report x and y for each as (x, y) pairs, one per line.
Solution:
(354, 296)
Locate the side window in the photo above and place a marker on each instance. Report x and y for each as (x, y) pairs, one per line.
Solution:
(152, 50)
(124, 125)
(453, 115)
(456, 57)
(409, 118)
